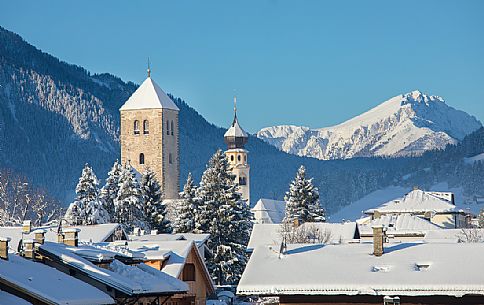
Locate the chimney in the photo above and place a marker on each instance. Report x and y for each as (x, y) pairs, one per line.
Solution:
(28, 248)
(39, 236)
(26, 226)
(378, 240)
(4, 247)
(71, 237)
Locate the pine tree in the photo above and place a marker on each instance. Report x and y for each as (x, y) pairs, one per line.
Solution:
(109, 192)
(186, 208)
(154, 209)
(128, 205)
(87, 209)
(302, 200)
(226, 218)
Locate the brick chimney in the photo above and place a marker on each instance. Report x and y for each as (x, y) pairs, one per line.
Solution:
(26, 226)
(4, 247)
(378, 240)
(28, 248)
(39, 236)
(71, 236)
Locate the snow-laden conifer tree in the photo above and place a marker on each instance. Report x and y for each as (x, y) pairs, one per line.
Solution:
(109, 192)
(302, 200)
(128, 205)
(87, 209)
(186, 208)
(154, 209)
(226, 218)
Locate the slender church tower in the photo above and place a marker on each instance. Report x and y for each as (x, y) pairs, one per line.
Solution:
(236, 138)
(150, 137)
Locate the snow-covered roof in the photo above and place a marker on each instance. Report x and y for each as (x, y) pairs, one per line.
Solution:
(235, 130)
(401, 224)
(93, 233)
(270, 234)
(149, 96)
(350, 269)
(45, 282)
(132, 280)
(417, 201)
(273, 211)
(454, 235)
(10, 299)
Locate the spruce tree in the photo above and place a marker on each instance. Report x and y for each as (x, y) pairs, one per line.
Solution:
(302, 200)
(226, 218)
(154, 209)
(87, 209)
(109, 192)
(186, 208)
(128, 205)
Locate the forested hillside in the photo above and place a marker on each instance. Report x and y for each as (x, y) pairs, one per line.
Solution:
(55, 117)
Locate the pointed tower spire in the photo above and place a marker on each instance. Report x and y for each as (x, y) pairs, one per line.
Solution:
(149, 70)
(235, 110)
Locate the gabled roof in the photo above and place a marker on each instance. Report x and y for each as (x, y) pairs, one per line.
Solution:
(270, 234)
(46, 283)
(149, 96)
(417, 201)
(131, 280)
(401, 224)
(173, 252)
(94, 233)
(273, 209)
(406, 269)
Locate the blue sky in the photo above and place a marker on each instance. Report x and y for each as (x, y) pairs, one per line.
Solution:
(312, 63)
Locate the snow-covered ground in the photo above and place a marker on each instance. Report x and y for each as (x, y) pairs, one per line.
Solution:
(406, 124)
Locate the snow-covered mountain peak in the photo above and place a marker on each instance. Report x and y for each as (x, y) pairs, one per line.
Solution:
(407, 124)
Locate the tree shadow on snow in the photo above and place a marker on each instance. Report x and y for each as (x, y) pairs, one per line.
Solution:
(305, 249)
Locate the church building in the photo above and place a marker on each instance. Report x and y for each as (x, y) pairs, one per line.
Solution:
(236, 138)
(150, 136)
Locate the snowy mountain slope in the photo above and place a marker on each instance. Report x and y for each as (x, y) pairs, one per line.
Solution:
(408, 124)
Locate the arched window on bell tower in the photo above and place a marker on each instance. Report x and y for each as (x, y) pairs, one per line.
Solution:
(141, 158)
(172, 128)
(242, 180)
(136, 127)
(146, 127)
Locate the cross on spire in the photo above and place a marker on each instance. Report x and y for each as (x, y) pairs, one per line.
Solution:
(149, 70)
(235, 110)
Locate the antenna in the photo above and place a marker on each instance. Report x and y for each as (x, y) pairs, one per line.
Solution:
(149, 70)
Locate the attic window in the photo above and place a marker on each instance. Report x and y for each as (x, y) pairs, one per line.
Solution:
(380, 269)
(422, 266)
(391, 300)
(189, 272)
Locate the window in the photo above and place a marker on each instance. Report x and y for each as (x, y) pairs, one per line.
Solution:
(238, 158)
(136, 127)
(232, 158)
(146, 127)
(170, 158)
(172, 127)
(167, 128)
(391, 300)
(242, 180)
(141, 158)
(189, 272)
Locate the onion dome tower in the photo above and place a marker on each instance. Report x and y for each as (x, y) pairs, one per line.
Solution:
(236, 138)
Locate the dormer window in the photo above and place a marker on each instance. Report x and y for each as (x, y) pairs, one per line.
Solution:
(146, 127)
(422, 266)
(136, 127)
(167, 128)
